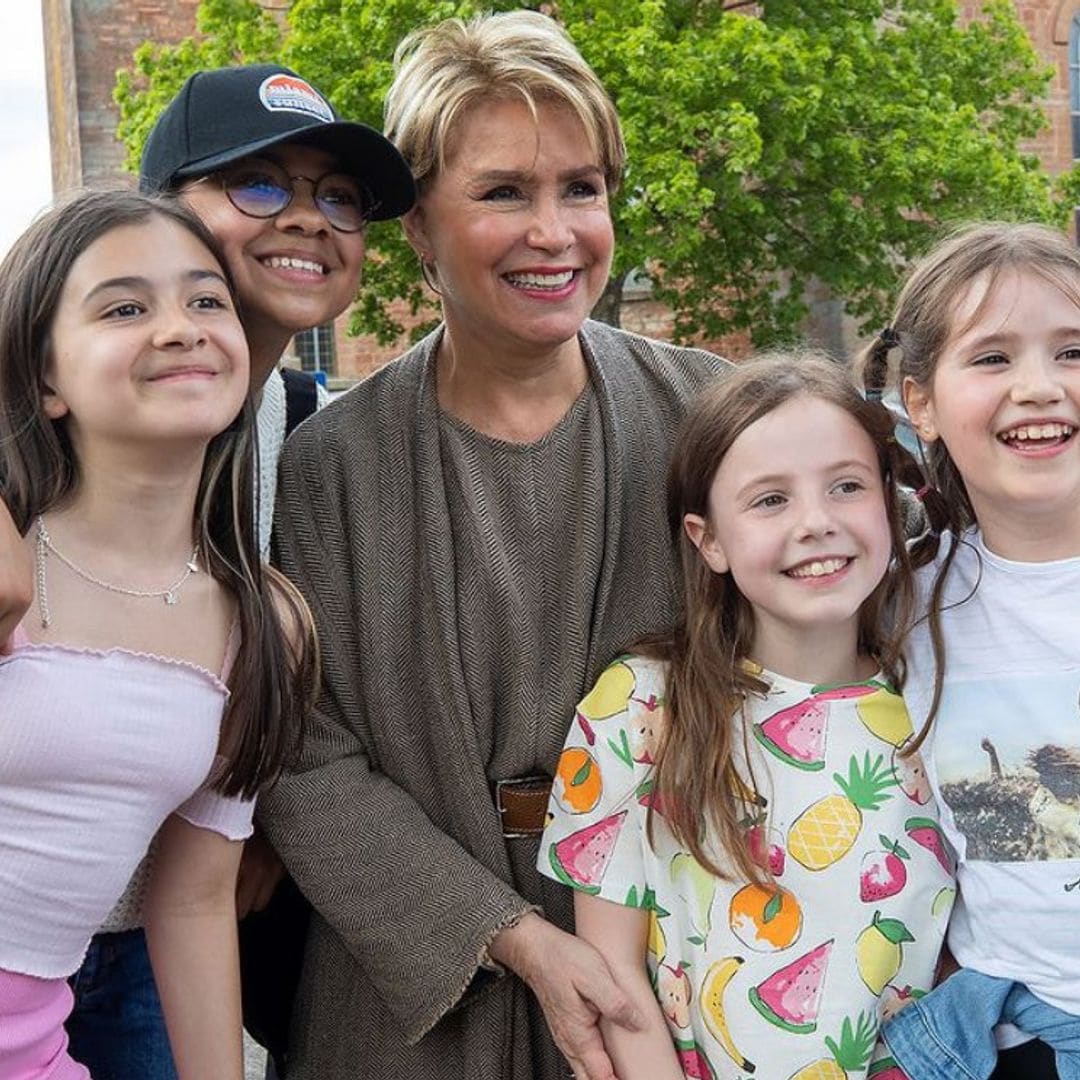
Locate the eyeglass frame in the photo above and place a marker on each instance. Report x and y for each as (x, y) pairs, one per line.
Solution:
(220, 176)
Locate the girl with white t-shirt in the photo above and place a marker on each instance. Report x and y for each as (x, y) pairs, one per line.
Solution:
(159, 679)
(987, 330)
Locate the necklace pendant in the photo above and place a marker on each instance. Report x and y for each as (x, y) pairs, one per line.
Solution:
(44, 546)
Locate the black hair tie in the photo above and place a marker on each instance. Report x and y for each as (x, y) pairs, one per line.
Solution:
(889, 338)
(878, 363)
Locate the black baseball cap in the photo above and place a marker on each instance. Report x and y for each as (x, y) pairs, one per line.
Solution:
(230, 113)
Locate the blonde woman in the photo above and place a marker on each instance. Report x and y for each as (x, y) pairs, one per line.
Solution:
(473, 527)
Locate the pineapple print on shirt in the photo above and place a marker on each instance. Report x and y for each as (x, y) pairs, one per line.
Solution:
(824, 833)
(789, 983)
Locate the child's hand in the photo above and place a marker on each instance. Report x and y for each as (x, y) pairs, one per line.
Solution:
(574, 986)
(16, 577)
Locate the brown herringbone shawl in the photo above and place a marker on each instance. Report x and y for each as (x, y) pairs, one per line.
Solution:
(387, 822)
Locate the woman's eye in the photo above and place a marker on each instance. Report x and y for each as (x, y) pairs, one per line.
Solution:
(583, 189)
(342, 198)
(990, 360)
(126, 310)
(256, 174)
(255, 182)
(340, 192)
(768, 502)
(502, 194)
(848, 487)
(1071, 353)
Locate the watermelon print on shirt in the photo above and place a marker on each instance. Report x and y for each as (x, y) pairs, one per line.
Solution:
(791, 984)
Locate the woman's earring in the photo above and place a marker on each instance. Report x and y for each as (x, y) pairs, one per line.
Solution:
(429, 274)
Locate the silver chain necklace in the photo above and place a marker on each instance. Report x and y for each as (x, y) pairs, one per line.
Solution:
(171, 594)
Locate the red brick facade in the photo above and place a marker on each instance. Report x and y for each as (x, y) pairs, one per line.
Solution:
(1047, 23)
(86, 41)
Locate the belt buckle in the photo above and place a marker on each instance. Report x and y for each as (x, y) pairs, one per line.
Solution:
(522, 803)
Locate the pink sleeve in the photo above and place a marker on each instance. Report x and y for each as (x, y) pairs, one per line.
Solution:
(209, 809)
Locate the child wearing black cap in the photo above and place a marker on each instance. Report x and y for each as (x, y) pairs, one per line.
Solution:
(287, 188)
(285, 185)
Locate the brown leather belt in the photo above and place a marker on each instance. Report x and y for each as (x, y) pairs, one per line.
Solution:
(522, 804)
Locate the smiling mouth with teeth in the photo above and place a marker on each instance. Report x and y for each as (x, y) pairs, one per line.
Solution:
(817, 568)
(284, 262)
(542, 281)
(1037, 435)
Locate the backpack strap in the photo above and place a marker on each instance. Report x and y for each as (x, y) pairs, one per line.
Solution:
(301, 397)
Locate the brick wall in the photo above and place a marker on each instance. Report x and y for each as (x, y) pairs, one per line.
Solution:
(359, 355)
(1047, 24)
(104, 33)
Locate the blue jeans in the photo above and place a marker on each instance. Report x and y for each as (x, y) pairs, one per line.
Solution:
(117, 1028)
(948, 1035)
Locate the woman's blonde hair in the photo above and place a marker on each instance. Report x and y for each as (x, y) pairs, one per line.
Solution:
(443, 71)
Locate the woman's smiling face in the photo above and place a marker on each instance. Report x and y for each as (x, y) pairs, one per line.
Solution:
(518, 228)
(292, 271)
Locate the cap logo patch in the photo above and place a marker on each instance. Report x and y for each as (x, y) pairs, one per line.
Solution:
(287, 93)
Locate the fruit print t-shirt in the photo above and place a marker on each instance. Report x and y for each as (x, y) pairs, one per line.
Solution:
(780, 985)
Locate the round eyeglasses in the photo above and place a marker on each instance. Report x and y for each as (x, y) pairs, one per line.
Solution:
(263, 189)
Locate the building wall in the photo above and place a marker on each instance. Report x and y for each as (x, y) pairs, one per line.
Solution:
(1047, 24)
(86, 41)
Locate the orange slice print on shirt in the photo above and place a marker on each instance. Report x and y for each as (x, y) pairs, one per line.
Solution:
(765, 920)
(578, 784)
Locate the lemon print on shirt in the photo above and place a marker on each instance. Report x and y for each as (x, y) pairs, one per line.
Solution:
(609, 697)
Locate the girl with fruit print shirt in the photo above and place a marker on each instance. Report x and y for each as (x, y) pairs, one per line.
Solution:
(987, 331)
(753, 856)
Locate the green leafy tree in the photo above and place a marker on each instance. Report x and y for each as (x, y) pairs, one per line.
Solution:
(768, 144)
